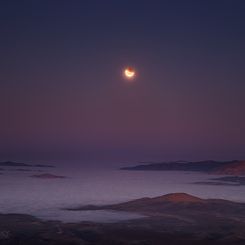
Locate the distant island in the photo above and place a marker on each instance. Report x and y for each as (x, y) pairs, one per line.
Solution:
(48, 176)
(20, 164)
(235, 167)
(225, 181)
(178, 204)
(217, 220)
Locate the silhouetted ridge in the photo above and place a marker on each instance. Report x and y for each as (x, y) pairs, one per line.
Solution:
(48, 176)
(178, 197)
(21, 164)
(234, 167)
(181, 205)
(14, 164)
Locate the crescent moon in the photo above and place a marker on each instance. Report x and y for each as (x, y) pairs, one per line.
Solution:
(129, 73)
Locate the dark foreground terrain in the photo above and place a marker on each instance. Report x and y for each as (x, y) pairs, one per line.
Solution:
(24, 230)
(171, 219)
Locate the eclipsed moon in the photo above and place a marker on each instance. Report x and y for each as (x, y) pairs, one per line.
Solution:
(129, 73)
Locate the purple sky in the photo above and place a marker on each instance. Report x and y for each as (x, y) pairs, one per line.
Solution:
(63, 96)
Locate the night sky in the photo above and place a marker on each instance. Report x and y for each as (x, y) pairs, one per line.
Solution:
(63, 96)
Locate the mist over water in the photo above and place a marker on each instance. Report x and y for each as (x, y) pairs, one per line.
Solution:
(45, 198)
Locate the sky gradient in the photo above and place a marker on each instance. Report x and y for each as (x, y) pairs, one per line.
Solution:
(63, 96)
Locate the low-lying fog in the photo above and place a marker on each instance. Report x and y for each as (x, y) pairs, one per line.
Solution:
(45, 198)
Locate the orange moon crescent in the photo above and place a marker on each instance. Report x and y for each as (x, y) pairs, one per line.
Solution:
(129, 73)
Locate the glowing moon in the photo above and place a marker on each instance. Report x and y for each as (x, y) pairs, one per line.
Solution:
(129, 73)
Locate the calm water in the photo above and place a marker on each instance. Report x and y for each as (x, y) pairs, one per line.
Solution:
(45, 198)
